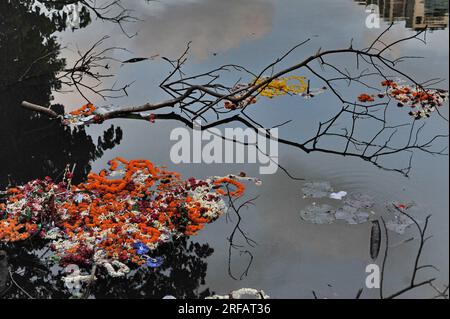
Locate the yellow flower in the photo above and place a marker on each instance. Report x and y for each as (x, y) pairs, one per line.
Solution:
(280, 86)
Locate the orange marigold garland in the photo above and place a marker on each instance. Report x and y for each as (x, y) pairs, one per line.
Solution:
(228, 181)
(85, 110)
(118, 216)
(86, 113)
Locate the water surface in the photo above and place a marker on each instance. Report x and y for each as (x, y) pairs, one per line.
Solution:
(292, 257)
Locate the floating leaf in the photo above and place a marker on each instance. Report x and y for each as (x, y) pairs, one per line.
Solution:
(351, 215)
(316, 189)
(375, 239)
(399, 224)
(318, 214)
(359, 201)
(399, 221)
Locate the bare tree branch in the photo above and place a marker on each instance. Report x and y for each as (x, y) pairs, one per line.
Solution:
(346, 133)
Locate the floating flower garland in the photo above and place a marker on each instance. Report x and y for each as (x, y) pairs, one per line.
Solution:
(81, 116)
(117, 217)
(293, 85)
(421, 101)
(85, 110)
(281, 86)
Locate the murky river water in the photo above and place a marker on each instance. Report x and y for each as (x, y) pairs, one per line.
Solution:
(292, 257)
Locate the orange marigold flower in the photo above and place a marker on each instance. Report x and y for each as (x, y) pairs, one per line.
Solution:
(365, 98)
(85, 110)
(389, 83)
(239, 187)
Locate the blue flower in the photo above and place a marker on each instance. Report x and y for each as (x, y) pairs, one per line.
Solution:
(141, 248)
(154, 262)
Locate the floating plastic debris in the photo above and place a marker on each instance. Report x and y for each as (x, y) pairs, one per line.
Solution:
(321, 189)
(338, 195)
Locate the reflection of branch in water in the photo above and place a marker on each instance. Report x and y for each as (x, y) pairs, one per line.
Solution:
(414, 283)
(440, 293)
(356, 129)
(422, 240)
(120, 17)
(18, 286)
(238, 230)
(93, 65)
(107, 10)
(182, 274)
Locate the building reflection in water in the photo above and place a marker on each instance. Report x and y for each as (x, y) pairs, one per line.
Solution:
(416, 13)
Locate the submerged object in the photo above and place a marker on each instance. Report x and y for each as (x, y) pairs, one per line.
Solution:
(375, 239)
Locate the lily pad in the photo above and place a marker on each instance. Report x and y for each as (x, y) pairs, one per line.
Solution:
(351, 215)
(318, 214)
(399, 224)
(316, 189)
(359, 201)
